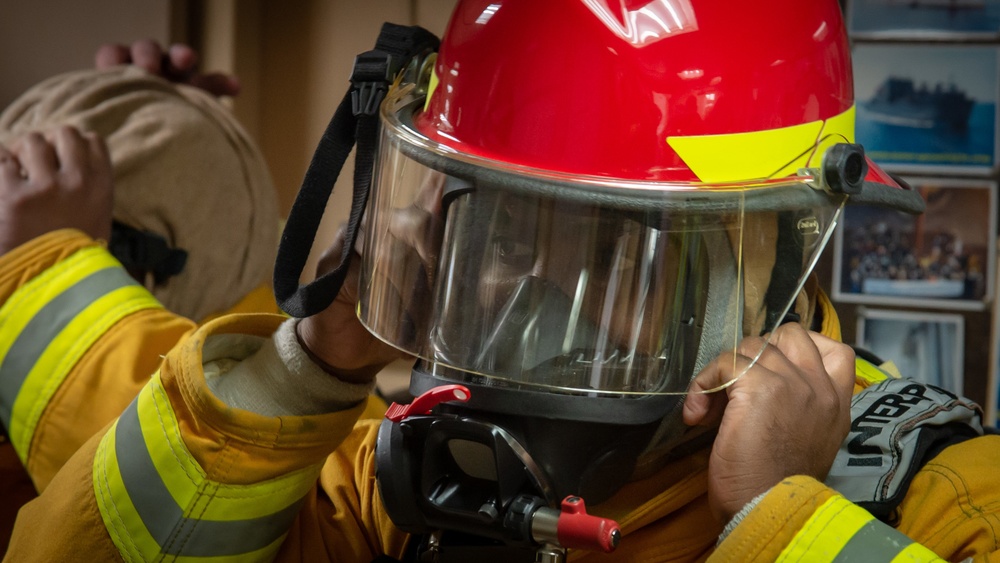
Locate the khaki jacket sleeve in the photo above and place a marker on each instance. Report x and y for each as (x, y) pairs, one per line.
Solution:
(79, 339)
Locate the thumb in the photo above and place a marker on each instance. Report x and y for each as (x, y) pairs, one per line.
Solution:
(707, 397)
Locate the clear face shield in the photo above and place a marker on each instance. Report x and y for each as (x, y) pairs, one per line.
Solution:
(521, 278)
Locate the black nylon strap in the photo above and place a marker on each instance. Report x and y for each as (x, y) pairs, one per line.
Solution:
(404, 42)
(305, 216)
(145, 252)
(355, 121)
(786, 271)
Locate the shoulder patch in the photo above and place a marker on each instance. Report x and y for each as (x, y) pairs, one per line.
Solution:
(896, 426)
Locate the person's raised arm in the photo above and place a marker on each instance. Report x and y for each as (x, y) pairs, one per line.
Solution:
(80, 336)
(781, 425)
(238, 408)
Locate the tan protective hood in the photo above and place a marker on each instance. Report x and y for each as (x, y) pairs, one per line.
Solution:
(183, 169)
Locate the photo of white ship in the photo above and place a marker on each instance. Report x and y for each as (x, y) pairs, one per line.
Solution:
(925, 346)
(898, 101)
(924, 108)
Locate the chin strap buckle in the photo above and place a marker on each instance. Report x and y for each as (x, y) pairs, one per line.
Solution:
(373, 72)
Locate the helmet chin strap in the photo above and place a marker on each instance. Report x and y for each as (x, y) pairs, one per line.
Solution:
(722, 305)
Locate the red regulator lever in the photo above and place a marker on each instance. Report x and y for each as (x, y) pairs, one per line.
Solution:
(427, 401)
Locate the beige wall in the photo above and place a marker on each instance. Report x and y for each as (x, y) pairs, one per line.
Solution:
(307, 63)
(293, 57)
(40, 38)
(295, 60)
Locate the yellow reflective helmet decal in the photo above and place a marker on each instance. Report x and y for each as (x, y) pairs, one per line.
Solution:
(431, 87)
(773, 153)
(837, 129)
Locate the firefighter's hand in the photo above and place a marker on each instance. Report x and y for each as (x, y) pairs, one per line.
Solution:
(54, 180)
(335, 338)
(177, 63)
(786, 416)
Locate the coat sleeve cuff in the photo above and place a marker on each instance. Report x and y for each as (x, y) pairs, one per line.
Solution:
(37, 255)
(280, 379)
(777, 517)
(268, 445)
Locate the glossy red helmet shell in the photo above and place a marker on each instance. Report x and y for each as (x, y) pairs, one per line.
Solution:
(596, 87)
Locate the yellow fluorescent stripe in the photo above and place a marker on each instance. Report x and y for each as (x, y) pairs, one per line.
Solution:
(126, 531)
(837, 129)
(122, 517)
(915, 553)
(761, 154)
(161, 432)
(744, 156)
(133, 540)
(868, 372)
(826, 532)
(243, 502)
(186, 481)
(28, 299)
(63, 352)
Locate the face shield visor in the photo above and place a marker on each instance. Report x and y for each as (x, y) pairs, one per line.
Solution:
(514, 277)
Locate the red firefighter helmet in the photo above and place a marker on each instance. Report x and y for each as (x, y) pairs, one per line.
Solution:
(642, 90)
(580, 204)
(600, 197)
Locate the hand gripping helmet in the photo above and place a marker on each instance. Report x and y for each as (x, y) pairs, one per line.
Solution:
(577, 205)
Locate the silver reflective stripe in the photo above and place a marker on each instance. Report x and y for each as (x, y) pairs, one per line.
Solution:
(873, 542)
(46, 325)
(164, 518)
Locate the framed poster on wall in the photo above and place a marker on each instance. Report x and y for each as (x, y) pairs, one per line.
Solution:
(926, 347)
(925, 20)
(927, 108)
(944, 258)
(992, 406)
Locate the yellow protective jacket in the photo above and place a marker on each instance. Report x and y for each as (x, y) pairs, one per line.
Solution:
(180, 476)
(78, 340)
